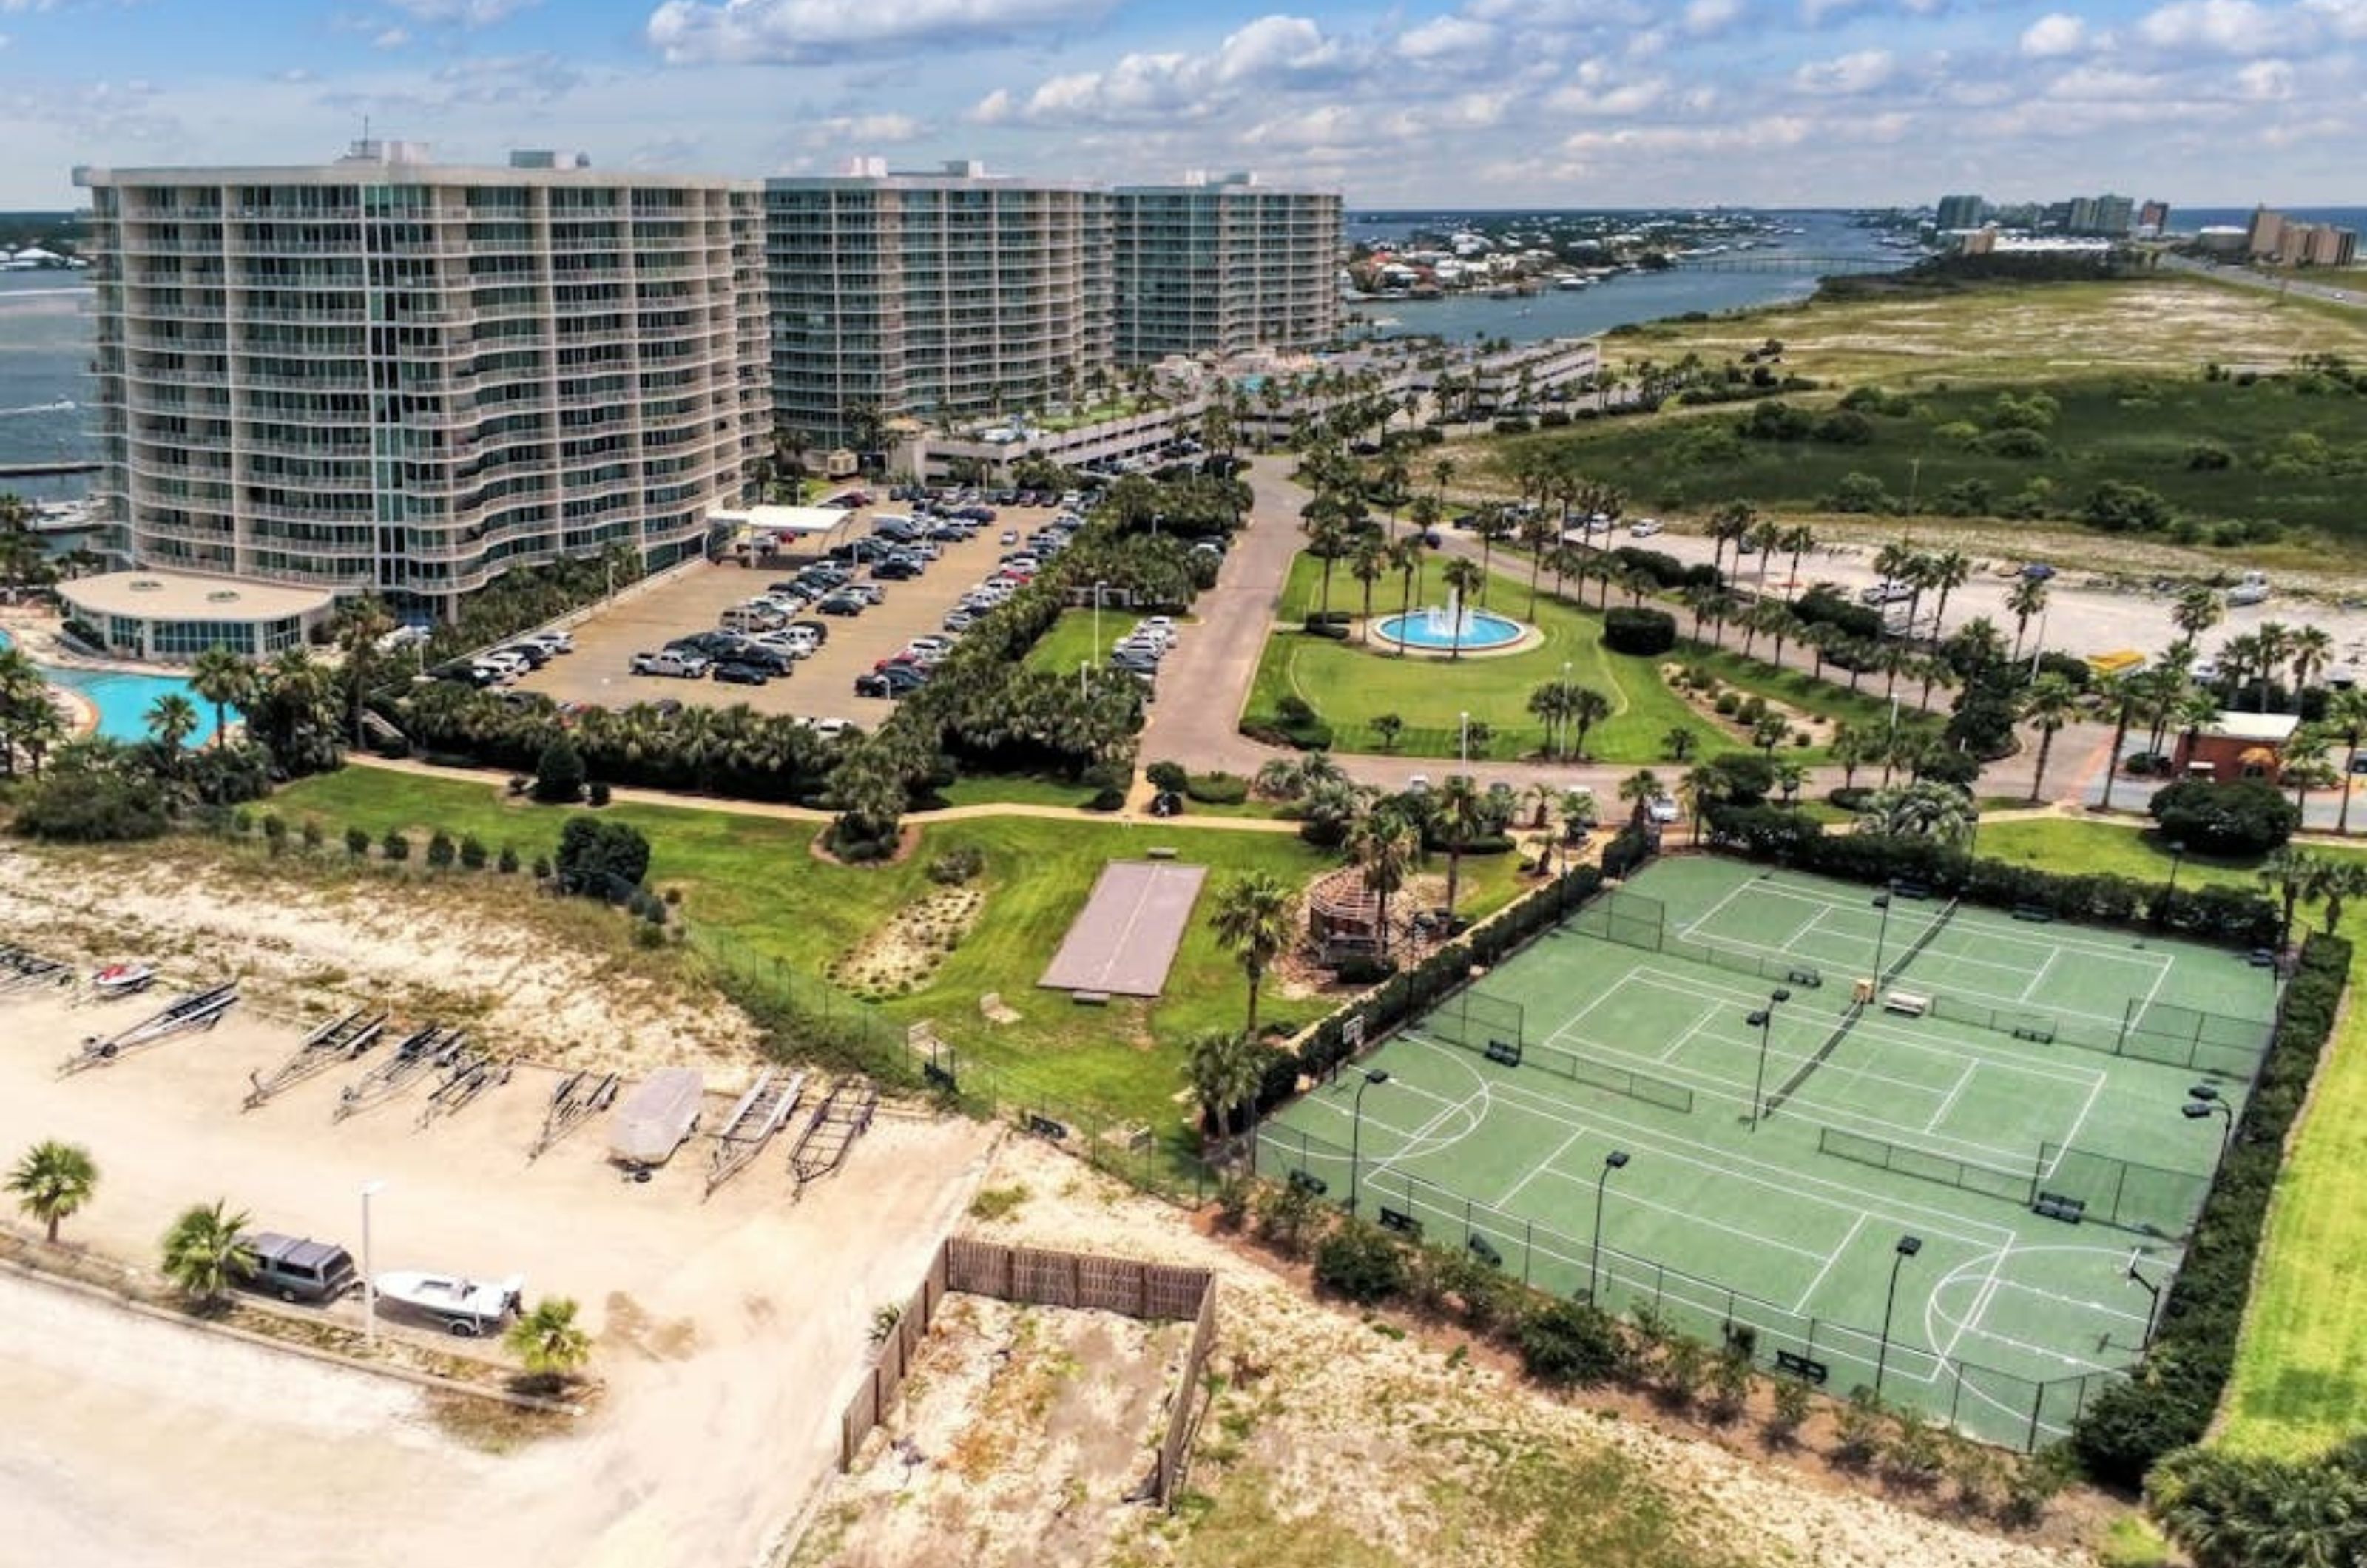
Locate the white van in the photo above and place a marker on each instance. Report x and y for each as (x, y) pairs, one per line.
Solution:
(752, 618)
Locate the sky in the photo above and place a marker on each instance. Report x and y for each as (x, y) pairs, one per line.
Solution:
(1473, 103)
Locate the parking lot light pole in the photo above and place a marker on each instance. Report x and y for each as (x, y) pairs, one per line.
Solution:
(369, 1280)
(1617, 1159)
(1765, 1019)
(1356, 1131)
(1909, 1245)
(2177, 853)
(1097, 616)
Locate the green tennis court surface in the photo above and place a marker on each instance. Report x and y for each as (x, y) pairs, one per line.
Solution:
(2011, 1097)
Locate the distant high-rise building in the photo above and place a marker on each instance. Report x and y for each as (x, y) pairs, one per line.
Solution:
(387, 376)
(1961, 212)
(2110, 216)
(2153, 219)
(940, 295)
(1225, 264)
(2263, 237)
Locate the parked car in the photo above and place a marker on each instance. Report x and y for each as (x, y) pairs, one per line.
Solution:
(895, 568)
(817, 630)
(297, 1270)
(2253, 589)
(1662, 808)
(557, 642)
(893, 681)
(1889, 591)
(1644, 527)
(736, 673)
(687, 664)
(843, 602)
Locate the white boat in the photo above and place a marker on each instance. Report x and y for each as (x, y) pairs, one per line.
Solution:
(463, 1306)
(123, 979)
(656, 1117)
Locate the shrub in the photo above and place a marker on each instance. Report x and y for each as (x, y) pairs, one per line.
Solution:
(1105, 800)
(2242, 816)
(601, 859)
(1639, 631)
(1216, 789)
(957, 866)
(596, 792)
(1168, 776)
(309, 835)
(441, 851)
(506, 862)
(559, 776)
(1728, 704)
(1366, 969)
(1361, 1262)
(472, 852)
(1571, 1342)
(394, 846)
(358, 842)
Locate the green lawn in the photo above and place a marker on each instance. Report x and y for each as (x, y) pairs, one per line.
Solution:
(1012, 789)
(755, 880)
(1822, 699)
(1069, 641)
(2301, 1368)
(1351, 684)
(2284, 450)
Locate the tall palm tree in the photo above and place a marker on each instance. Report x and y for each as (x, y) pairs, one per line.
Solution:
(1549, 704)
(2305, 765)
(1588, 707)
(1697, 790)
(1405, 559)
(53, 1181)
(2026, 598)
(1852, 749)
(2287, 874)
(2051, 703)
(1225, 1067)
(223, 679)
(547, 1339)
(1368, 562)
(1538, 535)
(1494, 526)
(206, 1251)
(172, 719)
(1729, 524)
(2120, 694)
(2346, 719)
(1255, 917)
(2198, 608)
(1921, 810)
(1456, 807)
(1799, 540)
(2312, 650)
(1946, 571)
(1464, 576)
(1638, 790)
(1385, 848)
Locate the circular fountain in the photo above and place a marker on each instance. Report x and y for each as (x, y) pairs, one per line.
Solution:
(1455, 628)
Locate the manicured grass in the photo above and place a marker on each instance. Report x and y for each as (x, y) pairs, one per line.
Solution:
(1070, 642)
(1010, 789)
(755, 880)
(1823, 699)
(1351, 684)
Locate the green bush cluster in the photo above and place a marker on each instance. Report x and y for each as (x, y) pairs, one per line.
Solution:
(956, 866)
(1216, 789)
(1648, 633)
(2241, 816)
(2169, 1404)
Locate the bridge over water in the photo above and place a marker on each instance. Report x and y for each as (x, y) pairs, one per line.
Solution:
(1775, 260)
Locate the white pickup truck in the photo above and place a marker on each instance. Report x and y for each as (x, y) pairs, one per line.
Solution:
(2252, 588)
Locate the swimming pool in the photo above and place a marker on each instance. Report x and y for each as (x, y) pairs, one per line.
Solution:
(122, 700)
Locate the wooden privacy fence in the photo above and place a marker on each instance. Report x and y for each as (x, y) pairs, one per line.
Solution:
(1155, 1293)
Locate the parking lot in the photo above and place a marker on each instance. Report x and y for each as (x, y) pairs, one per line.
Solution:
(820, 687)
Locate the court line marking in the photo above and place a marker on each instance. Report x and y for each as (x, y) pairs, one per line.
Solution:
(1950, 1103)
(2039, 978)
(1800, 1308)
(1736, 891)
(2079, 1122)
(1981, 1299)
(1541, 1167)
(1757, 1238)
(1974, 918)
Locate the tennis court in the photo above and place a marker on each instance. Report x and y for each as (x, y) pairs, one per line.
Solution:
(1763, 1141)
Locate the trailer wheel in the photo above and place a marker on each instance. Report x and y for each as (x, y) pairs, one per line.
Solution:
(463, 1329)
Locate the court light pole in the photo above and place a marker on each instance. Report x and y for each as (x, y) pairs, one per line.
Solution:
(1356, 1131)
(1765, 1019)
(1882, 935)
(1617, 1159)
(2177, 853)
(1909, 1245)
(369, 1282)
(2204, 1103)
(2153, 1307)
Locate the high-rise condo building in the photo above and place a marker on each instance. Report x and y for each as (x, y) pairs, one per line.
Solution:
(385, 375)
(937, 296)
(1961, 212)
(1224, 264)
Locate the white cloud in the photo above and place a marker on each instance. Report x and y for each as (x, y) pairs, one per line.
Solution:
(1597, 90)
(794, 32)
(2266, 81)
(1847, 76)
(2346, 20)
(1271, 53)
(461, 12)
(2221, 26)
(394, 38)
(18, 7)
(1446, 36)
(1705, 18)
(1817, 13)
(861, 130)
(2053, 35)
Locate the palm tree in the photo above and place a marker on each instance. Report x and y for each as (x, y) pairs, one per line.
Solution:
(1549, 704)
(357, 626)
(1638, 790)
(1588, 707)
(1852, 749)
(1771, 731)
(1697, 789)
(2051, 703)
(1455, 808)
(1255, 917)
(1922, 810)
(223, 679)
(1405, 559)
(2199, 609)
(1368, 562)
(1226, 1068)
(1385, 848)
(1947, 571)
(547, 1339)
(206, 1251)
(2305, 766)
(1327, 539)
(2119, 693)
(1799, 540)
(1464, 576)
(1679, 743)
(53, 1181)
(1729, 524)
(2312, 650)
(2026, 598)
(2346, 718)
(172, 719)
(1494, 526)
(2287, 874)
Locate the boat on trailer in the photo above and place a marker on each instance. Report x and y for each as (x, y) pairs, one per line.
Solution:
(123, 980)
(463, 1306)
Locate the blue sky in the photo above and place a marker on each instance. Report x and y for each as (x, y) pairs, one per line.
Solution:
(1473, 102)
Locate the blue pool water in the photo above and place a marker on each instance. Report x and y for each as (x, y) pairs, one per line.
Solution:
(1424, 629)
(123, 701)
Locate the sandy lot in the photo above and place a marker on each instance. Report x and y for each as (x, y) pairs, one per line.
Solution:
(823, 686)
(728, 1328)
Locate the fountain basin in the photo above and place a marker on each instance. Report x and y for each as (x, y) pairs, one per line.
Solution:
(1429, 631)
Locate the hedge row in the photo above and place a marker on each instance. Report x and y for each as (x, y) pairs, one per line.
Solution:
(1645, 632)
(2169, 1403)
(2232, 915)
